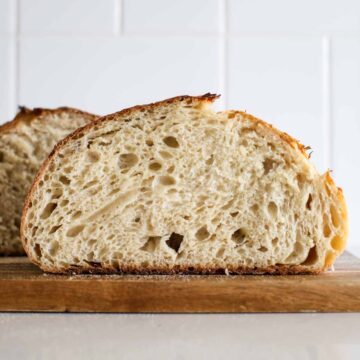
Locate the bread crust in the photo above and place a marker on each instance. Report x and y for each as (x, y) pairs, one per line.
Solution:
(344, 217)
(98, 268)
(183, 269)
(24, 117)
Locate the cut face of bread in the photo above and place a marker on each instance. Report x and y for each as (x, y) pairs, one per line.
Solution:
(176, 187)
(25, 143)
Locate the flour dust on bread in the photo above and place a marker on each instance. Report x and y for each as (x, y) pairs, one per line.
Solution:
(25, 143)
(176, 187)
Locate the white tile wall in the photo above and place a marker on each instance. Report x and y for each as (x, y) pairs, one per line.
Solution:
(105, 75)
(276, 79)
(296, 17)
(66, 17)
(294, 63)
(7, 17)
(7, 93)
(174, 17)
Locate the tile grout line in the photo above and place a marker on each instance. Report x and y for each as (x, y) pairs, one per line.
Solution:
(14, 82)
(117, 17)
(17, 52)
(326, 103)
(223, 52)
(121, 16)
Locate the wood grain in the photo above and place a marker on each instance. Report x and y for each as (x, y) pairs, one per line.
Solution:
(24, 287)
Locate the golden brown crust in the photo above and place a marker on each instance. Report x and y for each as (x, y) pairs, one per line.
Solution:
(185, 269)
(283, 135)
(26, 115)
(330, 259)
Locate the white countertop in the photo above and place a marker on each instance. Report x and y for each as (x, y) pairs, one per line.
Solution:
(178, 336)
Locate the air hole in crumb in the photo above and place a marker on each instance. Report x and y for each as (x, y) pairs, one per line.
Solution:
(89, 184)
(272, 209)
(54, 229)
(76, 214)
(17, 222)
(171, 169)
(172, 191)
(155, 166)
(48, 210)
(137, 219)
(326, 227)
(202, 233)
(34, 230)
(175, 241)
(239, 236)
(226, 206)
(165, 155)
(247, 130)
(74, 231)
(37, 250)
(220, 253)
(167, 180)
(335, 218)
(68, 169)
(127, 161)
(263, 249)
(234, 214)
(114, 191)
(91, 242)
(337, 243)
(54, 247)
(308, 203)
(301, 180)
(268, 165)
(312, 257)
(275, 241)
(152, 244)
(171, 141)
(254, 208)
(56, 193)
(65, 180)
(93, 156)
(210, 160)
(149, 142)
(64, 202)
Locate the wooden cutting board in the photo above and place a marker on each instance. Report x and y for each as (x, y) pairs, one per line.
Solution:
(23, 287)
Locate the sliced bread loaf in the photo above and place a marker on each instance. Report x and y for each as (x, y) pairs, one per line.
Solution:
(176, 187)
(25, 143)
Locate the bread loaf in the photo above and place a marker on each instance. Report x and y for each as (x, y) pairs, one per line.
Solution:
(25, 143)
(174, 187)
